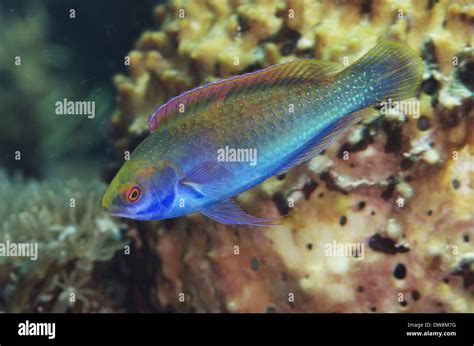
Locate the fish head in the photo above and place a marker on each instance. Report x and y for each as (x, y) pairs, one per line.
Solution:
(141, 190)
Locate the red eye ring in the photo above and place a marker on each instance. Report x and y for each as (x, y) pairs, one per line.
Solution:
(133, 194)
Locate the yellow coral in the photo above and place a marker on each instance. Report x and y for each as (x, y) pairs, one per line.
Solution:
(384, 188)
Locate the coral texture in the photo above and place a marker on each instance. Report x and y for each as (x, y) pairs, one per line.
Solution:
(72, 236)
(400, 184)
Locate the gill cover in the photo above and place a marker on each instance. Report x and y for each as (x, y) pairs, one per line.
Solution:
(163, 186)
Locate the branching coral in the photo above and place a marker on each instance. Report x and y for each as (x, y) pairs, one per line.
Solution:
(64, 219)
(200, 41)
(400, 184)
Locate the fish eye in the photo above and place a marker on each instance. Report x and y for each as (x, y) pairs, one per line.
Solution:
(133, 194)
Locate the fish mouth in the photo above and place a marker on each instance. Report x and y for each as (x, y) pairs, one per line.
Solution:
(114, 211)
(111, 210)
(117, 214)
(111, 206)
(108, 205)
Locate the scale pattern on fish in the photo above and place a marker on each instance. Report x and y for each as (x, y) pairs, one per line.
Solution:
(197, 157)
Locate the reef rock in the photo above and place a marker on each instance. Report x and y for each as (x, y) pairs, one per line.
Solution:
(381, 221)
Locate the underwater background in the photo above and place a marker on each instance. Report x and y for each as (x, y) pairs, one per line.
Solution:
(398, 184)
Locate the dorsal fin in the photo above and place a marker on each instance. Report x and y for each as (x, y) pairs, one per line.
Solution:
(322, 141)
(283, 74)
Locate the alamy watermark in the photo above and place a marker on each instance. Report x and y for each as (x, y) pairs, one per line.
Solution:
(407, 107)
(66, 107)
(336, 249)
(28, 328)
(10, 249)
(228, 154)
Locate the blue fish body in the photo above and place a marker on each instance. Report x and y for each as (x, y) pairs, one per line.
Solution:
(219, 140)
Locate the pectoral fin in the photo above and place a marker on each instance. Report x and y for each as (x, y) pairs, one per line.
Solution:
(208, 178)
(229, 212)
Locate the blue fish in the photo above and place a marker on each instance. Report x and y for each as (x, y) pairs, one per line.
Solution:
(209, 144)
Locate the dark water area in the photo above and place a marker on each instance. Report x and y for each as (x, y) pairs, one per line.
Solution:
(67, 50)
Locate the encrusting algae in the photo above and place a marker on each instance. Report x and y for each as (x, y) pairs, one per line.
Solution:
(401, 185)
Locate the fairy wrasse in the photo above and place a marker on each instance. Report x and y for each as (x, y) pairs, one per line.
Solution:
(209, 144)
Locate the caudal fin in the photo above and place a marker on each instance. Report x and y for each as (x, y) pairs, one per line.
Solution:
(390, 70)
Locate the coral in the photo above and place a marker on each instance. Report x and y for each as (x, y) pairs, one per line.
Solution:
(201, 41)
(401, 184)
(72, 235)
